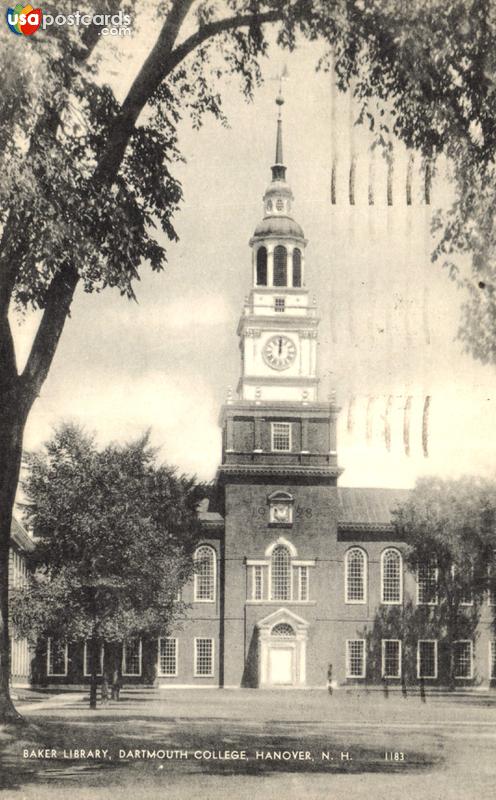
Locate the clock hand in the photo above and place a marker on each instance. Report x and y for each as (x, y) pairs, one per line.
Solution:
(280, 346)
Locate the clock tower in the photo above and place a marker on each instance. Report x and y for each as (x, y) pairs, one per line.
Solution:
(276, 428)
(278, 326)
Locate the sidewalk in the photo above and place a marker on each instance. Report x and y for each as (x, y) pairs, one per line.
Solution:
(61, 700)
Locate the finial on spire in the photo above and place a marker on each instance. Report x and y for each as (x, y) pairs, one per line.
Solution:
(279, 170)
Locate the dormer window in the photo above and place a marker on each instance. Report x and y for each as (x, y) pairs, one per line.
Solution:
(280, 304)
(280, 204)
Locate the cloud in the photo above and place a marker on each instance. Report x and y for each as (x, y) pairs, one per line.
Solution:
(181, 413)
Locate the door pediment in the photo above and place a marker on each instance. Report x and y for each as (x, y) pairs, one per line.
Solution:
(299, 624)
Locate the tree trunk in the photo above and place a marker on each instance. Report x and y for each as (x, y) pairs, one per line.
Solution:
(12, 422)
(105, 690)
(94, 664)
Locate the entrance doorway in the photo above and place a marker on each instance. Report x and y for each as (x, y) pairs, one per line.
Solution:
(282, 650)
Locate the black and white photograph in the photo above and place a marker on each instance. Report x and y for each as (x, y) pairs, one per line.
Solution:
(248, 400)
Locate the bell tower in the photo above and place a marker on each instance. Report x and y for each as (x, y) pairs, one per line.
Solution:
(278, 325)
(277, 430)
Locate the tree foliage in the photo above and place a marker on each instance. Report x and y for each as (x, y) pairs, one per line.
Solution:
(114, 537)
(79, 168)
(450, 527)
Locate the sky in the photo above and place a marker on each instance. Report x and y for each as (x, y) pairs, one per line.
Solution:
(388, 315)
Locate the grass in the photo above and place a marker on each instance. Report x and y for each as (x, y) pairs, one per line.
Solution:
(448, 745)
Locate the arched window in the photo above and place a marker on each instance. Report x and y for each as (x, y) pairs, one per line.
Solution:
(283, 630)
(391, 577)
(281, 573)
(205, 564)
(355, 576)
(280, 266)
(262, 266)
(297, 267)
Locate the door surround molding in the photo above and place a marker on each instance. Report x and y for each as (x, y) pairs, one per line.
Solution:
(298, 643)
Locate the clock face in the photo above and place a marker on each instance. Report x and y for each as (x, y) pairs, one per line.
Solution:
(279, 352)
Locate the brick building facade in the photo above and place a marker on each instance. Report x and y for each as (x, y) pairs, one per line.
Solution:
(294, 573)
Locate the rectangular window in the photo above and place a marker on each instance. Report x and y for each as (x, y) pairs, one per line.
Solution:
(463, 659)
(355, 658)
(204, 657)
(391, 658)
(281, 436)
(303, 583)
(491, 592)
(167, 656)
(280, 304)
(427, 575)
(131, 657)
(257, 593)
(56, 657)
(492, 660)
(466, 591)
(427, 658)
(86, 661)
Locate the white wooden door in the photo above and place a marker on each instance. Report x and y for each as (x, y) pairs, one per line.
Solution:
(281, 666)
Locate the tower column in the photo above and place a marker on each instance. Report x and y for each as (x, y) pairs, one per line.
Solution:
(304, 435)
(258, 435)
(289, 265)
(270, 265)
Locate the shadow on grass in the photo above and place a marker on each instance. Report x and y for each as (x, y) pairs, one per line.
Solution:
(139, 736)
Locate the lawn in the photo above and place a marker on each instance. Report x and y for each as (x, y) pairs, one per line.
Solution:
(238, 743)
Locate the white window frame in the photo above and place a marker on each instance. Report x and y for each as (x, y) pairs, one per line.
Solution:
(491, 596)
(271, 585)
(492, 659)
(214, 576)
(433, 602)
(289, 427)
(254, 569)
(195, 655)
(470, 676)
(365, 576)
(427, 677)
(50, 673)
(383, 657)
(383, 555)
(470, 602)
(348, 658)
(86, 661)
(303, 568)
(124, 665)
(176, 656)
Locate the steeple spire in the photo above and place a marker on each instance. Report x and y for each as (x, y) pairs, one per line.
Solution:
(279, 170)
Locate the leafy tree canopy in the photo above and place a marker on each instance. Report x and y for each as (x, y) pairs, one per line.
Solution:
(115, 533)
(451, 523)
(86, 179)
